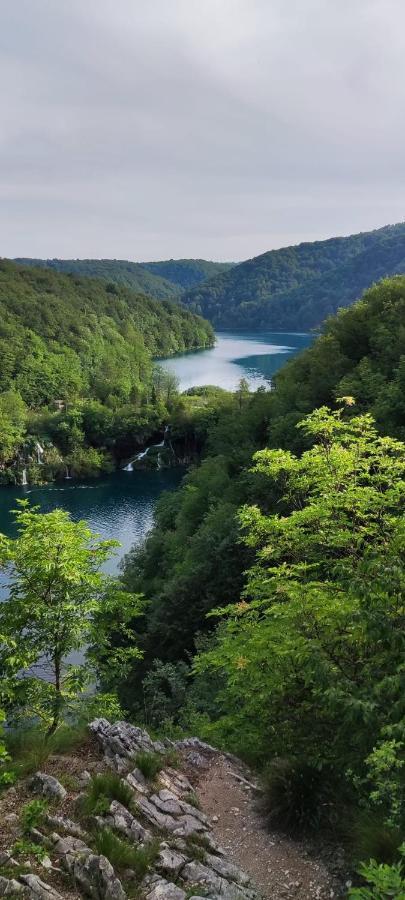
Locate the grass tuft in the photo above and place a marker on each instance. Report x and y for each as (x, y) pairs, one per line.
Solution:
(123, 855)
(29, 748)
(104, 788)
(172, 758)
(150, 764)
(192, 799)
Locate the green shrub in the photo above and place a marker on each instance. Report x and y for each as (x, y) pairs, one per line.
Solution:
(30, 747)
(385, 881)
(32, 814)
(104, 788)
(297, 797)
(172, 758)
(100, 706)
(149, 764)
(123, 855)
(28, 849)
(372, 838)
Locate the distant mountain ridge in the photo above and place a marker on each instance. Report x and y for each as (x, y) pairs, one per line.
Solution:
(164, 280)
(187, 273)
(298, 287)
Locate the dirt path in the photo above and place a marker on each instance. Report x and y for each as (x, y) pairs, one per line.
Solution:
(280, 868)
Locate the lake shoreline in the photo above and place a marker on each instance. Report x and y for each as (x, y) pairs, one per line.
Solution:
(121, 504)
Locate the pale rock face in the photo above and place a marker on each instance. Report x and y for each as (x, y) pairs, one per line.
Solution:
(134, 782)
(48, 786)
(176, 874)
(227, 869)
(124, 822)
(164, 890)
(9, 886)
(199, 874)
(169, 861)
(62, 823)
(39, 889)
(96, 877)
(93, 874)
(175, 782)
(121, 740)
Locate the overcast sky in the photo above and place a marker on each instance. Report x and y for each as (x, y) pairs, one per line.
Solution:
(148, 129)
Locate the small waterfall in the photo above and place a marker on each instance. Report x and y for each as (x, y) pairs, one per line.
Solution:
(67, 476)
(130, 466)
(40, 453)
(24, 481)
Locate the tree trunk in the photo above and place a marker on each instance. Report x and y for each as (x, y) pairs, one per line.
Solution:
(57, 668)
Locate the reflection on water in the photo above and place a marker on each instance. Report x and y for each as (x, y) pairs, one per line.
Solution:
(237, 355)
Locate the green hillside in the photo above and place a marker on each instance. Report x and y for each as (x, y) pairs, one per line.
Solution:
(186, 273)
(274, 583)
(361, 354)
(161, 280)
(128, 274)
(298, 287)
(76, 361)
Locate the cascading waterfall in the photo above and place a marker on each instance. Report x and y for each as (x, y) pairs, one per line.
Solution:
(40, 453)
(24, 481)
(130, 466)
(67, 476)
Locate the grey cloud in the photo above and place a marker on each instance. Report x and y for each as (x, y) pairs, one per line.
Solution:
(148, 128)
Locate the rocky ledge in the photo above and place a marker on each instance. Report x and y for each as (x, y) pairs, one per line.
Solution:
(160, 816)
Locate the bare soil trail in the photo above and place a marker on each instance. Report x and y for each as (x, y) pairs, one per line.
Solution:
(280, 867)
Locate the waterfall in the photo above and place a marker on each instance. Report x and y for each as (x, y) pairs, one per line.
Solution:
(67, 476)
(130, 466)
(24, 477)
(40, 453)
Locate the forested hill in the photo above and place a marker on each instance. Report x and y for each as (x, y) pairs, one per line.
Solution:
(186, 273)
(273, 585)
(118, 271)
(298, 287)
(162, 280)
(76, 369)
(69, 314)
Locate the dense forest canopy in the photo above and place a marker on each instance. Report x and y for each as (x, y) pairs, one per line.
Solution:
(300, 551)
(118, 271)
(76, 360)
(163, 280)
(193, 559)
(297, 287)
(185, 273)
(265, 609)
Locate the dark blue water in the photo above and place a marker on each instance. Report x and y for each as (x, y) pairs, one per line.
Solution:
(121, 506)
(118, 506)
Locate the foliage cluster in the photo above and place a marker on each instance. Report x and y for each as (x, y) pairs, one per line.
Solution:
(297, 287)
(186, 273)
(302, 557)
(163, 280)
(76, 368)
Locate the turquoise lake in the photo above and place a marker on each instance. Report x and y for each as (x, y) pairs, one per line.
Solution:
(121, 506)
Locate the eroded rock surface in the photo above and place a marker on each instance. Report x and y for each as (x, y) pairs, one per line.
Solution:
(162, 819)
(48, 786)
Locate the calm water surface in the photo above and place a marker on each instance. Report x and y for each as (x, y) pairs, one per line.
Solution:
(121, 506)
(237, 355)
